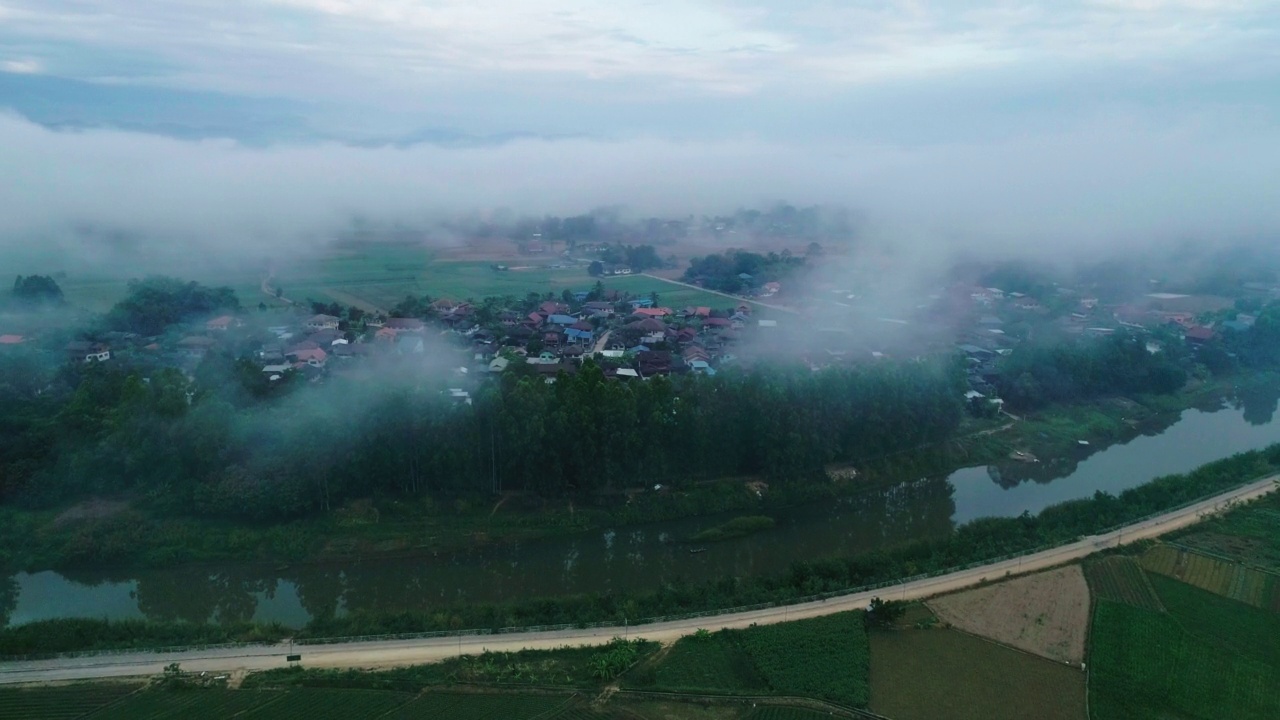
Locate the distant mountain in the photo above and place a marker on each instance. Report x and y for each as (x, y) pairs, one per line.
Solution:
(61, 103)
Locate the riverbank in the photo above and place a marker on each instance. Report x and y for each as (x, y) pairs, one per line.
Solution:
(388, 652)
(120, 535)
(974, 542)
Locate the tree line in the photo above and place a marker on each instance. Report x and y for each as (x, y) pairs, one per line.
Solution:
(223, 444)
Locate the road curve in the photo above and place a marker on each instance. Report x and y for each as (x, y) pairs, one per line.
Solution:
(407, 652)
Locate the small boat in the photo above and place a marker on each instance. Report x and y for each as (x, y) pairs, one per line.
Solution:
(695, 551)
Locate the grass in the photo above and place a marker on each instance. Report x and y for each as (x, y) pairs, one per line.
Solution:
(1235, 627)
(312, 704)
(1120, 579)
(927, 674)
(59, 703)
(823, 658)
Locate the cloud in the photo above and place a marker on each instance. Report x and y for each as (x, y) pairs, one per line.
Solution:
(1112, 182)
(22, 67)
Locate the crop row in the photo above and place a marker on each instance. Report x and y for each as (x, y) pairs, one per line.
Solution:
(1120, 579)
(469, 706)
(1220, 577)
(61, 702)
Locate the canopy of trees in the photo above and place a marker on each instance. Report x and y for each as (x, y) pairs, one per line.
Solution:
(723, 272)
(157, 302)
(35, 290)
(213, 447)
(1038, 374)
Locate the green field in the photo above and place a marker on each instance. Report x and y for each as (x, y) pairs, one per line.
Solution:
(1120, 579)
(377, 277)
(57, 703)
(183, 704)
(1250, 534)
(931, 674)
(1221, 577)
(823, 658)
(474, 706)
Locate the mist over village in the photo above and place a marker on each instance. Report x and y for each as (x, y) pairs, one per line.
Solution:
(646, 360)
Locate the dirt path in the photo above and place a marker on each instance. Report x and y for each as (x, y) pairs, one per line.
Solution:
(721, 294)
(407, 652)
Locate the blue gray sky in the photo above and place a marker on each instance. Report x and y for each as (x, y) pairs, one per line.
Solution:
(1097, 120)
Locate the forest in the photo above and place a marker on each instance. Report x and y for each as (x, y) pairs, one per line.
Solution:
(224, 444)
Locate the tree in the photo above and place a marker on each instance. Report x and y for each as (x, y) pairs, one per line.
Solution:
(36, 289)
(595, 269)
(884, 613)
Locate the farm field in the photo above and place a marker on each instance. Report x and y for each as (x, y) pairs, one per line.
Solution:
(57, 703)
(1144, 664)
(824, 658)
(465, 706)
(1249, 534)
(1119, 578)
(183, 704)
(936, 673)
(1045, 613)
(1221, 577)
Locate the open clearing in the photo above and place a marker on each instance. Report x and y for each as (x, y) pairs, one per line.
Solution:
(1046, 613)
(947, 675)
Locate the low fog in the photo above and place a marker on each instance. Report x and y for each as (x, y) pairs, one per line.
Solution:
(1118, 181)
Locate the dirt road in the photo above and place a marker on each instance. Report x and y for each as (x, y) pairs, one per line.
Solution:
(406, 652)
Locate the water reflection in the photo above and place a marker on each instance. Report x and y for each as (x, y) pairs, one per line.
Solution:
(637, 558)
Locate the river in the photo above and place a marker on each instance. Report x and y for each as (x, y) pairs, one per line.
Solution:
(643, 556)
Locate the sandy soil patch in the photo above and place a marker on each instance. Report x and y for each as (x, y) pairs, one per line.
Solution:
(1046, 613)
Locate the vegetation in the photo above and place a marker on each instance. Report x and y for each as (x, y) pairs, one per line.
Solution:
(36, 290)
(1147, 664)
(60, 703)
(914, 673)
(1120, 579)
(1221, 577)
(571, 667)
(823, 658)
(154, 304)
(1037, 374)
(735, 528)
(76, 634)
(1248, 534)
(477, 706)
(737, 271)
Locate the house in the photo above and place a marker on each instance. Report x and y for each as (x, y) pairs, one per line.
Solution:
(196, 346)
(641, 303)
(702, 367)
(626, 373)
(275, 372)
(746, 277)
(557, 319)
(498, 364)
(612, 270)
(533, 319)
(653, 312)
(552, 338)
(580, 331)
(315, 357)
(653, 362)
(598, 306)
(770, 288)
(581, 295)
(385, 334)
(553, 308)
(404, 325)
(11, 339)
(222, 324)
(85, 351)
(1200, 334)
(322, 322)
(717, 322)
(767, 323)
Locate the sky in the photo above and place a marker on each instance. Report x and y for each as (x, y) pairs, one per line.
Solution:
(1098, 121)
